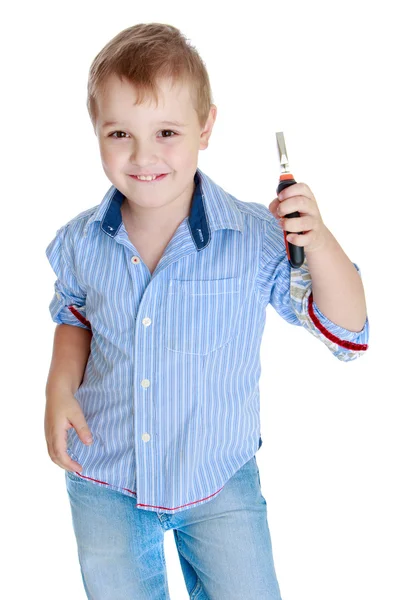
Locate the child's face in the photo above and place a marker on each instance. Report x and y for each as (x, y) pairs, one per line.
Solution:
(144, 144)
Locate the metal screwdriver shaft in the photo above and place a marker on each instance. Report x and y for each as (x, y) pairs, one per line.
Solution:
(295, 254)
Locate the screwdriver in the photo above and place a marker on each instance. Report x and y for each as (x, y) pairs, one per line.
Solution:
(295, 254)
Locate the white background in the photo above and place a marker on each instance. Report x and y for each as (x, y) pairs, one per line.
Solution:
(337, 461)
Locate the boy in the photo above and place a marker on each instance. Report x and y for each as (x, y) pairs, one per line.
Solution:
(160, 303)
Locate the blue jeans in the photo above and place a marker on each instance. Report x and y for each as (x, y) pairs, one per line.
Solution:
(224, 545)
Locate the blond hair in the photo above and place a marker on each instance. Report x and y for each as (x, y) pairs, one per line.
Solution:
(144, 53)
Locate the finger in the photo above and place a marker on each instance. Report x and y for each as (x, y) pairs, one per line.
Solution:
(298, 224)
(59, 455)
(301, 240)
(296, 189)
(274, 205)
(80, 425)
(84, 434)
(302, 204)
(63, 460)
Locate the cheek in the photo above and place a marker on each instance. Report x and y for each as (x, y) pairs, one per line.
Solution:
(181, 153)
(111, 157)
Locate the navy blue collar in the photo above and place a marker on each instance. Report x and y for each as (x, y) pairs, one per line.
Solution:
(212, 208)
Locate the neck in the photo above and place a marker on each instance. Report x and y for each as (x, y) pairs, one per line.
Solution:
(164, 218)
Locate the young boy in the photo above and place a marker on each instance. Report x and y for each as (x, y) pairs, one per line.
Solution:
(160, 303)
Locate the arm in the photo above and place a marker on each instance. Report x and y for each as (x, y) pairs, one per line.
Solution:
(314, 295)
(71, 350)
(337, 286)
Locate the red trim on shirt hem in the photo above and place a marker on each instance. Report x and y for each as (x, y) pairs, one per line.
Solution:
(330, 336)
(79, 316)
(188, 504)
(152, 506)
(103, 482)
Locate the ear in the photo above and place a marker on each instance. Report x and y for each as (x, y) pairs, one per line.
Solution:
(207, 131)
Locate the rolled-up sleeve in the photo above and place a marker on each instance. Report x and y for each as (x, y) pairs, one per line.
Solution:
(289, 291)
(68, 305)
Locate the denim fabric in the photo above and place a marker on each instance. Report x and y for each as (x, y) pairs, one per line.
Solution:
(224, 545)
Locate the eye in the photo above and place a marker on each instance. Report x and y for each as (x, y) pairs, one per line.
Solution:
(116, 138)
(170, 131)
(111, 135)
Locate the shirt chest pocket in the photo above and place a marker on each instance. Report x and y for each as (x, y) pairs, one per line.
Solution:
(201, 315)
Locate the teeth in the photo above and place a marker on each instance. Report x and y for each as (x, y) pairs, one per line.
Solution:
(146, 177)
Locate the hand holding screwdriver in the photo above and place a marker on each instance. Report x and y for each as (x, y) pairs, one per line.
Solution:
(307, 232)
(295, 254)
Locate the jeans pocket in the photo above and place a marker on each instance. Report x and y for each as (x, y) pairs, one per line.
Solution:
(74, 477)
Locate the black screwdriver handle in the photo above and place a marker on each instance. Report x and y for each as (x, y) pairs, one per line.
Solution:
(295, 254)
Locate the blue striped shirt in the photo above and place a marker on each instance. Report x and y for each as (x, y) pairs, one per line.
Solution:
(171, 387)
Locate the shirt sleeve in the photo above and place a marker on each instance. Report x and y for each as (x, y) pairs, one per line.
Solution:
(68, 303)
(289, 291)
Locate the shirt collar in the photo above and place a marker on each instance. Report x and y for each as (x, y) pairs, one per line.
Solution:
(212, 208)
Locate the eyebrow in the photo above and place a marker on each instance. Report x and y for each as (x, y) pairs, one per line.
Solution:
(174, 123)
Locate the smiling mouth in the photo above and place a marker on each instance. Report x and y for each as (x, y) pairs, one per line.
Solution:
(158, 178)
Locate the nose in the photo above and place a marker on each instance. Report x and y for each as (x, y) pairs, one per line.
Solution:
(143, 153)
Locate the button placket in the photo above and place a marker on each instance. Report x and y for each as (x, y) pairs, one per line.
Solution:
(146, 321)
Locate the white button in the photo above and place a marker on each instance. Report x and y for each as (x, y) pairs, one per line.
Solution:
(145, 437)
(58, 295)
(135, 260)
(146, 321)
(145, 383)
